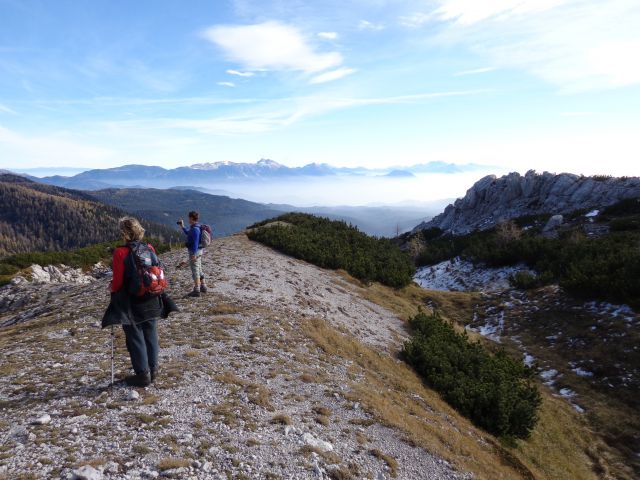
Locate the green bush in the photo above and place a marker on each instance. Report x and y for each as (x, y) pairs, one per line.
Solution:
(334, 244)
(525, 280)
(625, 224)
(494, 391)
(605, 267)
(629, 206)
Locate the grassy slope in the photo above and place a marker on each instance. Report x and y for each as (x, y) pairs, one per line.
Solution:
(562, 445)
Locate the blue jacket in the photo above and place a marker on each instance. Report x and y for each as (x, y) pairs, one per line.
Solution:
(193, 238)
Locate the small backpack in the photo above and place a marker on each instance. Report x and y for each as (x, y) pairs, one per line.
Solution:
(206, 234)
(148, 275)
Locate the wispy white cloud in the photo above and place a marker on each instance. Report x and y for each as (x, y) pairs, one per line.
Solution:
(332, 75)
(270, 46)
(240, 74)
(468, 12)
(573, 44)
(227, 84)
(328, 35)
(5, 109)
(415, 20)
(367, 25)
(474, 71)
(281, 113)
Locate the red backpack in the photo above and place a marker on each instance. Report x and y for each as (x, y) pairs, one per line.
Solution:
(147, 275)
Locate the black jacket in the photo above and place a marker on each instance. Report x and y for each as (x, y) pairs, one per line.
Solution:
(127, 309)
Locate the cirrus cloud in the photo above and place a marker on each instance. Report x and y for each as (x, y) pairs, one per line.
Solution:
(332, 75)
(574, 44)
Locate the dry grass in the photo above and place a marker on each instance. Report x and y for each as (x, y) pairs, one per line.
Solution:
(331, 458)
(259, 395)
(223, 309)
(391, 462)
(225, 413)
(94, 462)
(387, 391)
(141, 449)
(282, 419)
(172, 462)
(351, 472)
(150, 399)
(361, 438)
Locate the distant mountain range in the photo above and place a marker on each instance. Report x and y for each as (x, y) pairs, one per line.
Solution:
(203, 174)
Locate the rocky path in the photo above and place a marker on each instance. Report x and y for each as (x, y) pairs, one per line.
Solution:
(243, 391)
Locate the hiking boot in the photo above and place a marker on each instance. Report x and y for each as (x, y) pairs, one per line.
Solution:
(203, 288)
(194, 293)
(154, 374)
(139, 380)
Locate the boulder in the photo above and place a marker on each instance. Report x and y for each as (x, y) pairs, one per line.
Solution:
(87, 472)
(314, 442)
(42, 419)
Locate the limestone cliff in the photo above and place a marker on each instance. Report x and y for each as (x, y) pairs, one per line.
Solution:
(492, 200)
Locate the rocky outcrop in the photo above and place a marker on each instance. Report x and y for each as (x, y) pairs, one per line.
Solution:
(59, 274)
(492, 200)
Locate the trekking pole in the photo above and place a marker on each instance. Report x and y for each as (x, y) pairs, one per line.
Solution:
(112, 357)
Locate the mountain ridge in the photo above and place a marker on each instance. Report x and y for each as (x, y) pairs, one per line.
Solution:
(281, 370)
(492, 200)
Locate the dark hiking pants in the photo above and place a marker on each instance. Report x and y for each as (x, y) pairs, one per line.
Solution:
(142, 343)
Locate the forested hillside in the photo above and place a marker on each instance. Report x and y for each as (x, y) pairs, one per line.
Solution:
(35, 217)
(226, 215)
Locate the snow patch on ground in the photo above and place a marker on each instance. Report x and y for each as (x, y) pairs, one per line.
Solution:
(582, 372)
(624, 311)
(567, 393)
(462, 275)
(528, 360)
(549, 376)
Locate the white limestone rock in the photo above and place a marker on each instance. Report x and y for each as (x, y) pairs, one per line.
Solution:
(87, 472)
(315, 442)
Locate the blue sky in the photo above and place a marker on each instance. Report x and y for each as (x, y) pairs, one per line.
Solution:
(543, 84)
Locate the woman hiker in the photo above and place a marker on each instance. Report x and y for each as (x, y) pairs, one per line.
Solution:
(137, 313)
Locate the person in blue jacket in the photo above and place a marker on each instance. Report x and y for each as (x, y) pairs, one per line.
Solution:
(195, 253)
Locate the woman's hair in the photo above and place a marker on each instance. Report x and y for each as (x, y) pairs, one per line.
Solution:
(131, 229)
(195, 215)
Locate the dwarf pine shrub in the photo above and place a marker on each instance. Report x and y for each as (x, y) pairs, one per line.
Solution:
(495, 392)
(334, 244)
